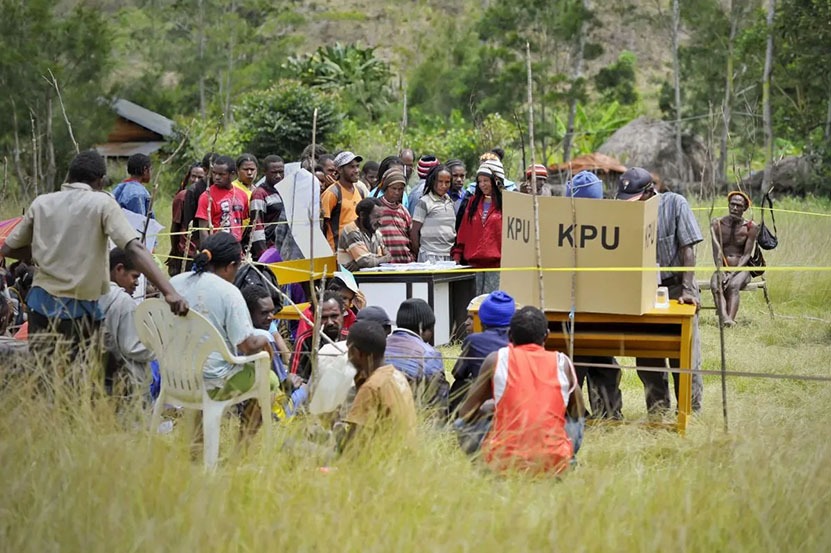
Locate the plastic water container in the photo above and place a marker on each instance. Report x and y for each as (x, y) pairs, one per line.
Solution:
(333, 379)
(662, 297)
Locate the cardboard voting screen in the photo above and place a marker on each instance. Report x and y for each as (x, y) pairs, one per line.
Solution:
(607, 233)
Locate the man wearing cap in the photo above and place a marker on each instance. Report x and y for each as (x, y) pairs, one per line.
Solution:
(734, 241)
(376, 314)
(495, 313)
(538, 175)
(425, 163)
(338, 202)
(604, 393)
(678, 233)
(409, 351)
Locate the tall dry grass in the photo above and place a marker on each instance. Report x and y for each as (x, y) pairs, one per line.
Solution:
(79, 475)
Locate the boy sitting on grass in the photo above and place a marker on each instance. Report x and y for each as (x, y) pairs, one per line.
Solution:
(384, 400)
(128, 359)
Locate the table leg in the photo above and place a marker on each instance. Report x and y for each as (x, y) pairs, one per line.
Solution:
(685, 379)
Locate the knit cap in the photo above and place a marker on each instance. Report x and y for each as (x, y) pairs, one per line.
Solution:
(425, 163)
(538, 170)
(497, 309)
(585, 184)
(492, 167)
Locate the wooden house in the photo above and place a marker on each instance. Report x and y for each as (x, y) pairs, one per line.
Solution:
(136, 130)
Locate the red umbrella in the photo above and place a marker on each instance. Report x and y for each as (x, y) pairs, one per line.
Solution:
(6, 228)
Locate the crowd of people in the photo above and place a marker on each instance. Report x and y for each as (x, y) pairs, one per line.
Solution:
(510, 398)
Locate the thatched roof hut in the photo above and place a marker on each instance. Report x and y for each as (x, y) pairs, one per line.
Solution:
(650, 144)
(605, 167)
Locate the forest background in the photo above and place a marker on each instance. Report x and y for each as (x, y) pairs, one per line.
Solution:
(447, 78)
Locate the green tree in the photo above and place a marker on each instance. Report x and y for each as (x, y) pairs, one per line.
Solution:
(279, 120)
(36, 37)
(617, 82)
(361, 78)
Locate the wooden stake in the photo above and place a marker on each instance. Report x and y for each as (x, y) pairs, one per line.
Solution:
(537, 248)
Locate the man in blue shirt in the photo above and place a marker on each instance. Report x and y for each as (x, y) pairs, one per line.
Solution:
(409, 351)
(131, 194)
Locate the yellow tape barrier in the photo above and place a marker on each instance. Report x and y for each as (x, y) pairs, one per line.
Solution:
(783, 268)
(776, 210)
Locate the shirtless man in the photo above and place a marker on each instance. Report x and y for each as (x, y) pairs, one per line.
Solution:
(734, 240)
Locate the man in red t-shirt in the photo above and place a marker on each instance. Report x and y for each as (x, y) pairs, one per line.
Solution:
(224, 207)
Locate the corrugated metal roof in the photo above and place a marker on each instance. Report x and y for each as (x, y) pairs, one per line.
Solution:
(126, 149)
(142, 116)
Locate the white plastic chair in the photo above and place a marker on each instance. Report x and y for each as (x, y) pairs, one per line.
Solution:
(182, 345)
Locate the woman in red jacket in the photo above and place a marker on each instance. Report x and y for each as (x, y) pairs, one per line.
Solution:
(479, 227)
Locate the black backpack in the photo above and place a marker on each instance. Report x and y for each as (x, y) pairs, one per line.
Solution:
(766, 239)
(247, 275)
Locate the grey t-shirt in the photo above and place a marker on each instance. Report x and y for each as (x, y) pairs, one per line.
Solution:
(438, 219)
(222, 304)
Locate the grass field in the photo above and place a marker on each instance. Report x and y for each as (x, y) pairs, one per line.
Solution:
(79, 478)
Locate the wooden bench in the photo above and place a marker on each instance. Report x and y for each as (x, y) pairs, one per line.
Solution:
(752, 286)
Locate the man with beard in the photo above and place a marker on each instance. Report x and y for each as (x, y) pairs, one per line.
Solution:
(734, 240)
(331, 321)
(338, 202)
(360, 244)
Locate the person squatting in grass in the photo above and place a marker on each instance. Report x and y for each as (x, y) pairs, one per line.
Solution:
(332, 308)
(128, 360)
(384, 400)
(537, 423)
(210, 291)
(65, 233)
(734, 242)
(409, 351)
(293, 391)
(495, 314)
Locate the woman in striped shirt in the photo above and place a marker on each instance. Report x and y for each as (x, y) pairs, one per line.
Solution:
(395, 223)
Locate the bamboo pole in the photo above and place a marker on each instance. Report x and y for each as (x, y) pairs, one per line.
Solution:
(537, 248)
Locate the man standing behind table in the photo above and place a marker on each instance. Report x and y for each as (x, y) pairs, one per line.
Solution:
(734, 240)
(66, 234)
(678, 233)
(223, 207)
(338, 202)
